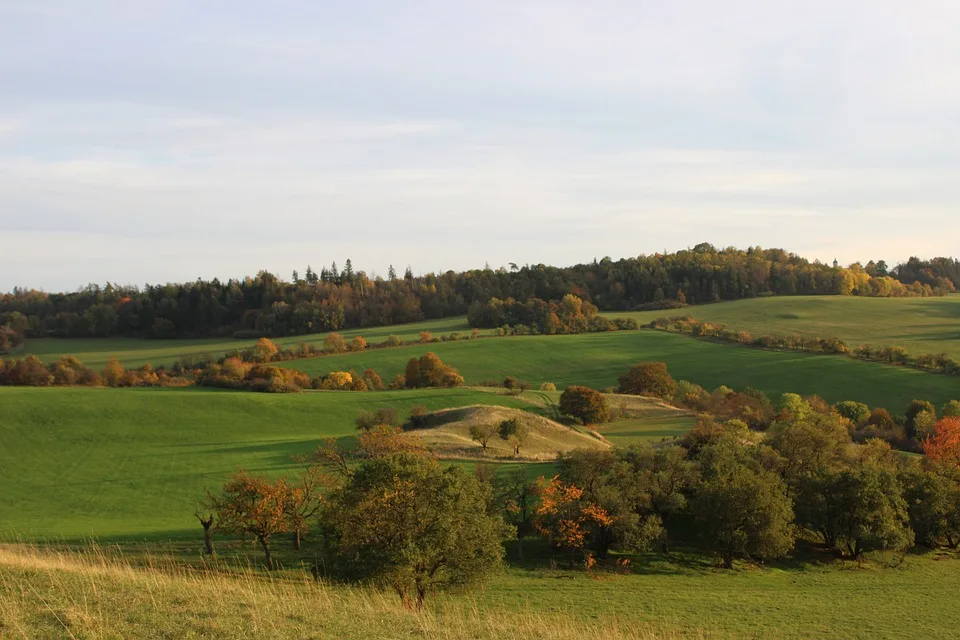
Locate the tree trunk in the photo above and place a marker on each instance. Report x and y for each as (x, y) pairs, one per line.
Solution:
(207, 535)
(266, 553)
(665, 545)
(207, 539)
(520, 548)
(728, 560)
(421, 596)
(296, 538)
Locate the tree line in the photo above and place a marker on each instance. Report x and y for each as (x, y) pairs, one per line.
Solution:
(335, 299)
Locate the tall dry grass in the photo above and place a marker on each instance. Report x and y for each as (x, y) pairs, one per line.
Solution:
(62, 593)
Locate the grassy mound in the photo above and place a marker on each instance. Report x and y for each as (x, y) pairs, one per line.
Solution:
(447, 433)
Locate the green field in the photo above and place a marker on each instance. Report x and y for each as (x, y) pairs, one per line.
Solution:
(597, 359)
(920, 325)
(126, 465)
(130, 462)
(133, 352)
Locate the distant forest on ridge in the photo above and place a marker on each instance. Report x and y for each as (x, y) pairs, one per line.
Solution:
(334, 299)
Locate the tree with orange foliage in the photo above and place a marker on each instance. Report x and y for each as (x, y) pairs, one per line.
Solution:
(264, 350)
(944, 444)
(566, 518)
(252, 505)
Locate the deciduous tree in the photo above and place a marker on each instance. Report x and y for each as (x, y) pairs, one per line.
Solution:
(648, 378)
(252, 505)
(482, 433)
(584, 404)
(408, 523)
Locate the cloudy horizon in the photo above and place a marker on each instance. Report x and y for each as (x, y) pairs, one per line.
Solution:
(147, 141)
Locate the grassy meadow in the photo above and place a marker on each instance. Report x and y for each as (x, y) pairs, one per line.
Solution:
(597, 359)
(126, 466)
(118, 463)
(920, 325)
(48, 593)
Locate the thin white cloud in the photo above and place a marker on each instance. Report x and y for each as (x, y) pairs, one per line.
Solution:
(219, 142)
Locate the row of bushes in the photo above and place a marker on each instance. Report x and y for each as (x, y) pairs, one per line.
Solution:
(541, 317)
(266, 350)
(426, 371)
(939, 363)
(596, 324)
(699, 328)
(69, 371)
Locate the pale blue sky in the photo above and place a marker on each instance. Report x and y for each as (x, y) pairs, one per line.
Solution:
(153, 141)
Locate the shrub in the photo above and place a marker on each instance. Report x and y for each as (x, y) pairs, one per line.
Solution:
(392, 341)
(915, 408)
(548, 386)
(430, 371)
(418, 415)
(366, 420)
(357, 344)
(648, 378)
(584, 404)
(373, 379)
(334, 343)
(856, 412)
(951, 409)
(264, 350)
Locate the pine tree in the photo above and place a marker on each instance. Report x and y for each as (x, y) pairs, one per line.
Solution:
(392, 273)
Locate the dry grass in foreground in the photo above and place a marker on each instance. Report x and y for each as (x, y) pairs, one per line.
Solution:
(48, 593)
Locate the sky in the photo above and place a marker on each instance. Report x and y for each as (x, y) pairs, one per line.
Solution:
(149, 141)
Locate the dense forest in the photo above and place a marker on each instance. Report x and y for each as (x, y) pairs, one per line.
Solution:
(336, 299)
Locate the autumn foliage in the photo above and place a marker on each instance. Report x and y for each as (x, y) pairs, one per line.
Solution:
(429, 371)
(255, 506)
(944, 444)
(567, 518)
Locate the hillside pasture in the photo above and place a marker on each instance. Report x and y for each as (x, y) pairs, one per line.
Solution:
(596, 360)
(920, 325)
(117, 463)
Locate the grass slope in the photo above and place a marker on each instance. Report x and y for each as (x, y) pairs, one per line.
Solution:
(921, 325)
(131, 462)
(46, 594)
(132, 352)
(597, 359)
